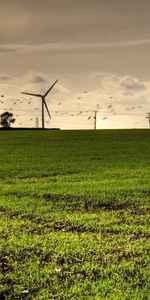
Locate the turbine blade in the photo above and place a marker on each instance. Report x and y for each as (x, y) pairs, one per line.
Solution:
(47, 108)
(31, 94)
(50, 88)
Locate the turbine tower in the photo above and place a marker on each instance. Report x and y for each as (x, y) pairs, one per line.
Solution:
(95, 118)
(148, 117)
(43, 101)
(36, 122)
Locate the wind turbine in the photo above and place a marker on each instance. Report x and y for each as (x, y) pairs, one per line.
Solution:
(43, 101)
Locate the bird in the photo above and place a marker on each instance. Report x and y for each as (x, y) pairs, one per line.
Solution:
(109, 106)
(104, 118)
(98, 106)
(88, 118)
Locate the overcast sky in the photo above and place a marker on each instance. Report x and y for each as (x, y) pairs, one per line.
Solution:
(99, 50)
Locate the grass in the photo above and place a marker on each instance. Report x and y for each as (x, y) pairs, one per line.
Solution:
(74, 214)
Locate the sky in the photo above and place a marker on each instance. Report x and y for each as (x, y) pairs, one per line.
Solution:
(98, 49)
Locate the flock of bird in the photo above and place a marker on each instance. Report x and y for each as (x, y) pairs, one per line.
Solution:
(89, 113)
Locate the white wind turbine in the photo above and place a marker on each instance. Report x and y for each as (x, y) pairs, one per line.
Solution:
(43, 101)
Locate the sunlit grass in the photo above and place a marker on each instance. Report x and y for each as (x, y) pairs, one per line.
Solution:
(75, 214)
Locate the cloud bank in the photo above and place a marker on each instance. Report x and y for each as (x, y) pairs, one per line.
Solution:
(68, 46)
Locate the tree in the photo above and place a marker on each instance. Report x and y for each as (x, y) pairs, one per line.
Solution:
(6, 119)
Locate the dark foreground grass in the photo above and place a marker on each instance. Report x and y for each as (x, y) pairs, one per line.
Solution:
(74, 214)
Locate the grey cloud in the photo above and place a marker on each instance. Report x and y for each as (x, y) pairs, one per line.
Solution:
(132, 84)
(126, 84)
(4, 77)
(7, 49)
(39, 81)
(36, 78)
(68, 46)
(122, 90)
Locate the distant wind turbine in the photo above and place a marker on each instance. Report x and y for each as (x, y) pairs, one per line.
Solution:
(43, 101)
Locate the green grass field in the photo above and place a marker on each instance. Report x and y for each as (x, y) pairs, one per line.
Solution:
(74, 214)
